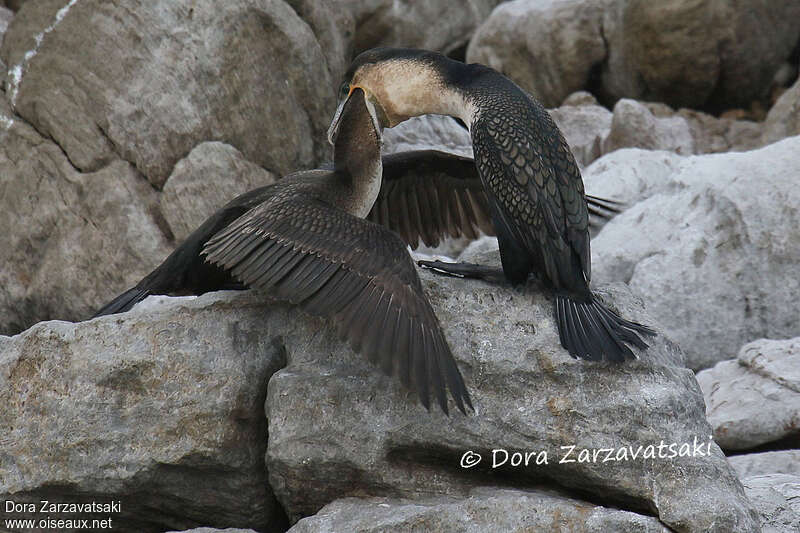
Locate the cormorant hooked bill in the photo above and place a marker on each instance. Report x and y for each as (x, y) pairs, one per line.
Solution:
(305, 239)
(533, 184)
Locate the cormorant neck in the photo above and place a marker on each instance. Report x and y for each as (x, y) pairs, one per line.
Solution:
(357, 164)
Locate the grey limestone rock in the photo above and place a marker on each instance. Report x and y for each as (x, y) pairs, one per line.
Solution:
(160, 409)
(708, 241)
(777, 499)
(755, 398)
(759, 464)
(338, 428)
(483, 509)
(721, 54)
(148, 82)
(204, 181)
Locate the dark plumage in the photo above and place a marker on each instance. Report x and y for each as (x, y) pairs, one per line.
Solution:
(304, 239)
(533, 185)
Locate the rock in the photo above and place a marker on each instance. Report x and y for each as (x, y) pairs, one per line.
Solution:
(429, 132)
(202, 182)
(633, 125)
(777, 499)
(548, 48)
(409, 23)
(147, 83)
(755, 398)
(759, 464)
(71, 238)
(712, 135)
(484, 509)
(783, 120)
(580, 98)
(585, 127)
(710, 245)
(338, 428)
(6, 16)
(714, 55)
(160, 408)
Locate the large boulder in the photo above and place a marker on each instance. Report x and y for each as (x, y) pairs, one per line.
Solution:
(200, 182)
(156, 400)
(161, 409)
(442, 25)
(483, 509)
(549, 48)
(687, 53)
(708, 241)
(338, 428)
(147, 82)
(755, 398)
(71, 238)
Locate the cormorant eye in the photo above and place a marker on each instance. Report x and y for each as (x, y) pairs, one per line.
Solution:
(344, 90)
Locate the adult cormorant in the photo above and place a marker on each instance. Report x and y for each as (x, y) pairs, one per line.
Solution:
(533, 184)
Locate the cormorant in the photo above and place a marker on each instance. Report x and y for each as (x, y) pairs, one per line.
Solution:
(533, 184)
(305, 239)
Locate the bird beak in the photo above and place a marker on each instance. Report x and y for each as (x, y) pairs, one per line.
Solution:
(333, 130)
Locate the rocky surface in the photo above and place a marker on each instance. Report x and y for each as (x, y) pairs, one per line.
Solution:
(759, 464)
(755, 398)
(338, 431)
(585, 126)
(708, 241)
(203, 181)
(484, 509)
(548, 48)
(635, 126)
(337, 427)
(161, 409)
(783, 120)
(74, 236)
(184, 72)
(777, 498)
(685, 53)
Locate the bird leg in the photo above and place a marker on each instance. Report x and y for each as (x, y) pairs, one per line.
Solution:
(466, 270)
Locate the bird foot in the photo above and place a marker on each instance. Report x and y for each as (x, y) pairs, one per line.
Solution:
(465, 270)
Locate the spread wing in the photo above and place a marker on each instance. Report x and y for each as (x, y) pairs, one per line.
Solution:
(534, 182)
(357, 273)
(427, 195)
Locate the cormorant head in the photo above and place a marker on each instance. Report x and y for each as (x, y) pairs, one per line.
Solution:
(398, 82)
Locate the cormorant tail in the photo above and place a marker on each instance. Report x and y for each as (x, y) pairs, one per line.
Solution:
(592, 331)
(123, 302)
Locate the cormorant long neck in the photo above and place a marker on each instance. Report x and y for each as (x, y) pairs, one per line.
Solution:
(357, 157)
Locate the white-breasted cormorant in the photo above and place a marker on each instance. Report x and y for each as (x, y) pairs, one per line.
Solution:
(533, 184)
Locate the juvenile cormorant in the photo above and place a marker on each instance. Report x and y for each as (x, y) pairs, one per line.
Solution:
(305, 239)
(533, 184)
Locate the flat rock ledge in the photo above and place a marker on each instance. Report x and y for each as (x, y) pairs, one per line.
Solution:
(164, 409)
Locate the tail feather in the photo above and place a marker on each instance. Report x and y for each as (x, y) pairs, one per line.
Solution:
(592, 331)
(123, 302)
